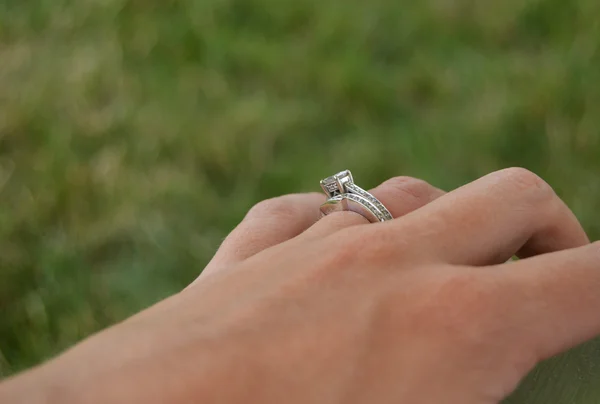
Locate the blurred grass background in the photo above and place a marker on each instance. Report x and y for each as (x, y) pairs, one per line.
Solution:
(134, 134)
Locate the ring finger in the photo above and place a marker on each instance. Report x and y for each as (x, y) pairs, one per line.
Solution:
(401, 195)
(280, 219)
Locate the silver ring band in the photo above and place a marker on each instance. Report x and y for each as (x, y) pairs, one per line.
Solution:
(355, 189)
(352, 203)
(345, 195)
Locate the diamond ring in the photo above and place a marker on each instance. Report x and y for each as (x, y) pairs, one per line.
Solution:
(345, 195)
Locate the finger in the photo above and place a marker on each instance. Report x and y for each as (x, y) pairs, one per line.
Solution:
(401, 195)
(269, 223)
(488, 221)
(554, 299)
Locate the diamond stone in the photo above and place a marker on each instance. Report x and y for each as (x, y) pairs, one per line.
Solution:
(336, 184)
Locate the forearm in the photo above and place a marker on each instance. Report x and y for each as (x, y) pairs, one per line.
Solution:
(132, 362)
(37, 386)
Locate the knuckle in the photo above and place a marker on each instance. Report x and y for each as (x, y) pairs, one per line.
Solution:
(464, 288)
(281, 206)
(413, 188)
(462, 303)
(351, 249)
(524, 180)
(339, 257)
(376, 244)
(359, 249)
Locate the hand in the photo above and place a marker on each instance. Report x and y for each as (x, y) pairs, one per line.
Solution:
(422, 309)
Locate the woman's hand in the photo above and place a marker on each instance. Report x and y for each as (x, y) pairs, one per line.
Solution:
(422, 309)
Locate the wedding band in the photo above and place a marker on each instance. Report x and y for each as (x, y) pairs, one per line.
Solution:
(345, 195)
(352, 203)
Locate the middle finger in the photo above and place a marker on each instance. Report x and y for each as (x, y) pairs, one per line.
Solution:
(505, 213)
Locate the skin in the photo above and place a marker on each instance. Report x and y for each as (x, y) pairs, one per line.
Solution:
(422, 309)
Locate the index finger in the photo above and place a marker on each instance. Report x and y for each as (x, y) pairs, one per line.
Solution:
(554, 299)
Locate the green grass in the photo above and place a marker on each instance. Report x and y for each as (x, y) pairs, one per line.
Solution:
(134, 134)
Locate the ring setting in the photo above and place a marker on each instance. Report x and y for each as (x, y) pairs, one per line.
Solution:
(344, 195)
